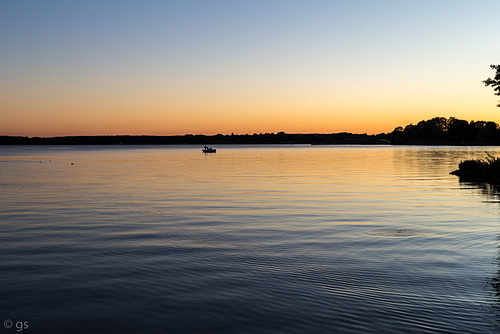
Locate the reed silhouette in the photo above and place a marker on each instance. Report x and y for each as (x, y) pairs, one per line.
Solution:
(480, 170)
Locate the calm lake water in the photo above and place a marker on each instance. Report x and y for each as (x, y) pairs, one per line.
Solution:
(251, 239)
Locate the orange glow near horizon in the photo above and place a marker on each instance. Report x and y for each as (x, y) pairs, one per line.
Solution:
(237, 71)
(138, 113)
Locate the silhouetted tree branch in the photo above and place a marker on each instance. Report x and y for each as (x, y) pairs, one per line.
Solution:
(495, 83)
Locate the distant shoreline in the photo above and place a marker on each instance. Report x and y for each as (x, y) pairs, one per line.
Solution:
(436, 131)
(189, 139)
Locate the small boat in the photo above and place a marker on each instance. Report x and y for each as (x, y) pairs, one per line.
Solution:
(208, 150)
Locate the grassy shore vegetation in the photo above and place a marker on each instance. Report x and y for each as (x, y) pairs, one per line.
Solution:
(480, 170)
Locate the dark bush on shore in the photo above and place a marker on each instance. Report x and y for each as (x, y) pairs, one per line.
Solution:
(479, 170)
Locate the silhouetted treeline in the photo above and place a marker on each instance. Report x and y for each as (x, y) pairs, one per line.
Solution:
(435, 131)
(266, 138)
(447, 131)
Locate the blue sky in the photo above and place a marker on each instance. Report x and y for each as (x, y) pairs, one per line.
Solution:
(165, 67)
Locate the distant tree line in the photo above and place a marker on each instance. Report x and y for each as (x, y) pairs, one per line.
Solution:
(447, 131)
(435, 131)
(190, 139)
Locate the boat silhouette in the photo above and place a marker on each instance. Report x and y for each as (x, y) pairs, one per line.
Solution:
(207, 149)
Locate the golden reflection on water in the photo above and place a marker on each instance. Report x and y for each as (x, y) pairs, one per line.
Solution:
(383, 227)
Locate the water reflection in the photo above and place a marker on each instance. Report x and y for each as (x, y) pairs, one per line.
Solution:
(492, 195)
(252, 239)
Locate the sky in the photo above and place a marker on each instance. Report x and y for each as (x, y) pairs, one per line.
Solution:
(104, 67)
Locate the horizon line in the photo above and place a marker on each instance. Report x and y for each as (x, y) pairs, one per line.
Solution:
(200, 134)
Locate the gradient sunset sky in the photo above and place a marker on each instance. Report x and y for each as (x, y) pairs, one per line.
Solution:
(243, 66)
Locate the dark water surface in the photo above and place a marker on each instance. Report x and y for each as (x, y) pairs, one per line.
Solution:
(269, 239)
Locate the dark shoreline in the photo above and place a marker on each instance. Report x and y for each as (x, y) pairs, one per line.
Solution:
(436, 131)
(267, 138)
